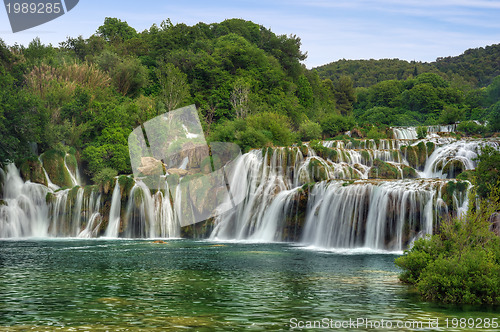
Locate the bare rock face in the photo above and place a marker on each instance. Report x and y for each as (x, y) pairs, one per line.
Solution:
(494, 220)
(195, 154)
(151, 166)
(178, 171)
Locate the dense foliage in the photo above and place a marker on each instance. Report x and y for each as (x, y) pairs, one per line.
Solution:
(475, 67)
(248, 84)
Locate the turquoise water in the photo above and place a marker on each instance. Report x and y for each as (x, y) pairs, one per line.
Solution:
(128, 285)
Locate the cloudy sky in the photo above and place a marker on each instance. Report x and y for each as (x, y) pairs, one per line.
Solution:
(420, 30)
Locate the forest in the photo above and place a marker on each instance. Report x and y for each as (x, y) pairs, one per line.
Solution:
(248, 84)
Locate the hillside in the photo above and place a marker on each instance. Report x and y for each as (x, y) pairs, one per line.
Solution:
(478, 67)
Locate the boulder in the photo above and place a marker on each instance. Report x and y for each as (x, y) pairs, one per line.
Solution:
(151, 166)
(177, 171)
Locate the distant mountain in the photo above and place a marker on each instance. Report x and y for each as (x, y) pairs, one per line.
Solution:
(476, 66)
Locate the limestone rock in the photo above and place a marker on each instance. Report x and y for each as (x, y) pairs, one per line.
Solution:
(177, 171)
(151, 166)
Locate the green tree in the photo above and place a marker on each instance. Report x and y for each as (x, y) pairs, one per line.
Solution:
(174, 88)
(240, 97)
(487, 170)
(304, 92)
(114, 30)
(344, 95)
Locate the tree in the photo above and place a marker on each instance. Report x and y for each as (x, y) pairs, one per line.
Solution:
(304, 92)
(239, 97)
(173, 85)
(114, 29)
(344, 94)
(487, 170)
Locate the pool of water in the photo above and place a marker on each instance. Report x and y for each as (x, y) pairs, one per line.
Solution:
(128, 285)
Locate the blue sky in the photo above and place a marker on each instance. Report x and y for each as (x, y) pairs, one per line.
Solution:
(420, 30)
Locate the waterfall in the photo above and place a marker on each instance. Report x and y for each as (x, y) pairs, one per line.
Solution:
(454, 157)
(378, 215)
(114, 213)
(347, 194)
(23, 211)
(92, 214)
(75, 178)
(405, 133)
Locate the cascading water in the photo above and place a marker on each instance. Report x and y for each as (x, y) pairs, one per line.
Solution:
(375, 214)
(454, 158)
(23, 211)
(331, 198)
(114, 213)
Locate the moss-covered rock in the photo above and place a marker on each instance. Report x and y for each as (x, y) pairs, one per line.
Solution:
(53, 162)
(409, 172)
(32, 170)
(383, 170)
(452, 188)
(126, 184)
(317, 170)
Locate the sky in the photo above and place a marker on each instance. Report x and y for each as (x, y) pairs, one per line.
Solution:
(420, 30)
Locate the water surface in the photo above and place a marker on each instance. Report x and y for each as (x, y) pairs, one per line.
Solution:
(127, 285)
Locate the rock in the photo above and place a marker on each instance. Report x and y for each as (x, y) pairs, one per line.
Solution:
(356, 133)
(177, 171)
(32, 170)
(494, 220)
(194, 153)
(151, 166)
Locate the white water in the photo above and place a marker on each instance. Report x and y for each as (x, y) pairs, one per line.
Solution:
(374, 214)
(114, 213)
(459, 152)
(75, 178)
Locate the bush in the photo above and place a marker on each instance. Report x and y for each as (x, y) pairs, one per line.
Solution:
(461, 264)
(104, 178)
(277, 125)
(487, 171)
(421, 132)
(309, 130)
(374, 133)
(470, 127)
(335, 124)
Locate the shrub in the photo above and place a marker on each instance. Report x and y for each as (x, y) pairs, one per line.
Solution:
(309, 130)
(335, 124)
(421, 132)
(104, 178)
(461, 264)
(470, 127)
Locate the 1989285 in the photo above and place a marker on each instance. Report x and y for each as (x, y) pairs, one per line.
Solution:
(34, 8)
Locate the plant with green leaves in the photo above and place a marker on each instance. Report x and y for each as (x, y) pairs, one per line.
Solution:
(460, 264)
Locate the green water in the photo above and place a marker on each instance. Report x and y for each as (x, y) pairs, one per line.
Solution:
(76, 285)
